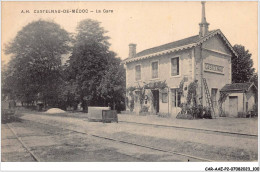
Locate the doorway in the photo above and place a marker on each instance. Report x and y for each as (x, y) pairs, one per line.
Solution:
(156, 100)
(233, 105)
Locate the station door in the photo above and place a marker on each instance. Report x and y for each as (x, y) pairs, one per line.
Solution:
(233, 106)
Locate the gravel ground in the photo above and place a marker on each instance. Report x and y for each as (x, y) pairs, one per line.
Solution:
(211, 152)
(54, 144)
(211, 146)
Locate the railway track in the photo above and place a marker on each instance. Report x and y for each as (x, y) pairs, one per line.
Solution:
(35, 157)
(195, 129)
(185, 156)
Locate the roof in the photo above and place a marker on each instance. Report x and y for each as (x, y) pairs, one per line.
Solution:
(182, 42)
(177, 45)
(237, 87)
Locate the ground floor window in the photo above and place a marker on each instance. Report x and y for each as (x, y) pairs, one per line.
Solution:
(214, 96)
(165, 97)
(175, 98)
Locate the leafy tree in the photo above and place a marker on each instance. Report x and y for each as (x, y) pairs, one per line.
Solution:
(242, 66)
(112, 85)
(254, 79)
(34, 70)
(67, 91)
(92, 65)
(5, 90)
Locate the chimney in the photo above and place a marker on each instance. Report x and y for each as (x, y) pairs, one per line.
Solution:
(203, 25)
(132, 50)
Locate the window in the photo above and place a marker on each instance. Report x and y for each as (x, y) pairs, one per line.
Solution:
(138, 72)
(154, 69)
(175, 66)
(179, 99)
(176, 98)
(173, 98)
(214, 96)
(165, 97)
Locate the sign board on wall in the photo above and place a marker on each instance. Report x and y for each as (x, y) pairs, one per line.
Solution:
(213, 68)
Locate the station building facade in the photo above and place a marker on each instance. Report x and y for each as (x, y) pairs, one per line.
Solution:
(165, 72)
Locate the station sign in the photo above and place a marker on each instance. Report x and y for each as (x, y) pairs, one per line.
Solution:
(213, 68)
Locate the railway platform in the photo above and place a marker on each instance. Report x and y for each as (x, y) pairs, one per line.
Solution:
(247, 126)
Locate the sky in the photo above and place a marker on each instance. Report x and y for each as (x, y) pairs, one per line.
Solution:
(146, 24)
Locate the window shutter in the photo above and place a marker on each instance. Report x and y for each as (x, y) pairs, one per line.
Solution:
(177, 59)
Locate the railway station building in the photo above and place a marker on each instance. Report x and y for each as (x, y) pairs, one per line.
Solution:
(158, 78)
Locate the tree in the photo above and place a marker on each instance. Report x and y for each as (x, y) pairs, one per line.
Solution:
(92, 66)
(67, 90)
(34, 70)
(5, 90)
(112, 85)
(254, 79)
(242, 66)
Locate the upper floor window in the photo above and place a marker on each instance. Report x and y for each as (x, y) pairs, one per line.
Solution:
(138, 72)
(155, 69)
(175, 66)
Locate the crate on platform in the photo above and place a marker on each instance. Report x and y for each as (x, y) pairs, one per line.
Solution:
(109, 116)
(95, 113)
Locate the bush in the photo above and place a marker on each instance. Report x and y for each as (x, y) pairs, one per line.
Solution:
(207, 113)
(185, 109)
(195, 112)
(144, 109)
(184, 116)
(164, 115)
